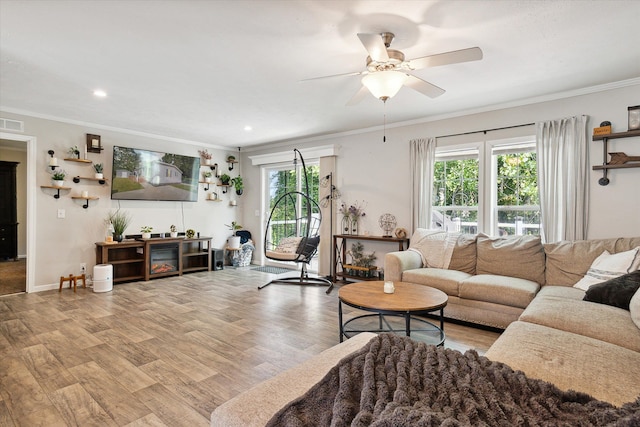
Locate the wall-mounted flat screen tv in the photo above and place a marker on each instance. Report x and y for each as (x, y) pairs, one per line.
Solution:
(151, 175)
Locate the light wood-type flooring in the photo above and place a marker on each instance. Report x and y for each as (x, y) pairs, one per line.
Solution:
(165, 352)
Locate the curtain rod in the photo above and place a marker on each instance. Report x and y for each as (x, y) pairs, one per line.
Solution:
(485, 131)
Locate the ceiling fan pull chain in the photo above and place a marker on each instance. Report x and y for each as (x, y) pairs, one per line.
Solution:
(384, 131)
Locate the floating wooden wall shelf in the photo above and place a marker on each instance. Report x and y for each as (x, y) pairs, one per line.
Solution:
(605, 166)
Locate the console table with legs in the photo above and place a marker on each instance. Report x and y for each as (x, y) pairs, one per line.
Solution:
(340, 252)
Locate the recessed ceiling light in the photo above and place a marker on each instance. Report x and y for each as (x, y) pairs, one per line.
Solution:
(100, 93)
(248, 128)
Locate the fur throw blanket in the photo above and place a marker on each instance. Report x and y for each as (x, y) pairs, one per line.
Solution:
(394, 381)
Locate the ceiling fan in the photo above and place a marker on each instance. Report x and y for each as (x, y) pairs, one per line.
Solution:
(387, 69)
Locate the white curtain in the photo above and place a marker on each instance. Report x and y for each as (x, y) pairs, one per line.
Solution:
(563, 178)
(423, 154)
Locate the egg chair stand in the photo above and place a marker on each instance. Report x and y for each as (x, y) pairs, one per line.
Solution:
(293, 233)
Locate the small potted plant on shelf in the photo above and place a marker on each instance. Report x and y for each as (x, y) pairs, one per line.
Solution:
(98, 168)
(74, 152)
(120, 221)
(238, 184)
(206, 156)
(58, 178)
(234, 241)
(146, 231)
(207, 176)
(173, 231)
(225, 179)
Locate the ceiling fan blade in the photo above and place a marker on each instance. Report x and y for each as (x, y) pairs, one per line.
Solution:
(375, 46)
(453, 57)
(425, 88)
(359, 96)
(355, 73)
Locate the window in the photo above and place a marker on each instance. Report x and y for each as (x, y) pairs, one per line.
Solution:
(511, 204)
(455, 191)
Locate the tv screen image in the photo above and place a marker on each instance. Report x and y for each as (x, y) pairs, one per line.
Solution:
(151, 175)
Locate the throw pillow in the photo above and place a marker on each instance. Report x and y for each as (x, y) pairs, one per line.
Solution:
(616, 292)
(634, 308)
(288, 245)
(609, 266)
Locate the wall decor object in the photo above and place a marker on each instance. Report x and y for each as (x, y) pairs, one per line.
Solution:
(634, 117)
(94, 145)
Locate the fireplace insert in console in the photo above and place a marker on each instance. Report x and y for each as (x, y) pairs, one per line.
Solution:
(164, 258)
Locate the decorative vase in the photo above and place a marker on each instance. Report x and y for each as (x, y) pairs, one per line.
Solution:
(117, 237)
(354, 226)
(239, 192)
(173, 233)
(207, 162)
(58, 183)
(99, 175)
(146, 235)
(207, 179)
(346, 225)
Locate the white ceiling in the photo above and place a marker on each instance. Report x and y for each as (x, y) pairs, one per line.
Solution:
(203, 70)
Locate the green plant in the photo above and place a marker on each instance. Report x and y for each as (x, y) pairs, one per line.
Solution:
(58, 175)
(237, 183)
(190, 233)
(73, 151)
(225, 179)
(173, 228)
(234, 226)
(146, 229)
(120, 221)
(207, 174)
(98, 167)
(231, 159)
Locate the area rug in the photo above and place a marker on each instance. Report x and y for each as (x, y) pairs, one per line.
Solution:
(273, 270)
(394, 381)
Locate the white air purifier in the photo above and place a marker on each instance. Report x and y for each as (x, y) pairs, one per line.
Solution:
(103, 278)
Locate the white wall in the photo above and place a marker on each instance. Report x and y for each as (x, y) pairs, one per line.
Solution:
(62, 244)
(378, 173)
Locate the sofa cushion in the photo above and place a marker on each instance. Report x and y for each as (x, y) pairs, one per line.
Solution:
(568, 262)
(634, 308)
(448, 281)
(499, 289)
(464, 254)
(570, 361)
(616, 292)
(602, 322)
(561, 291)
(513, 256)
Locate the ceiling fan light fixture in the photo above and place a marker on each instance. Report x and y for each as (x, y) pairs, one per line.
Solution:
(384, 84)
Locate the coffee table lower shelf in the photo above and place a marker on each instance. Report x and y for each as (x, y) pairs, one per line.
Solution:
(388, 322)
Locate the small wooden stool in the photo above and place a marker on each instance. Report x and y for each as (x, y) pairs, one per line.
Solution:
(73, 281)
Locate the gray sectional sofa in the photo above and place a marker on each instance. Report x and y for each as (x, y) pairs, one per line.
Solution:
(514, 283)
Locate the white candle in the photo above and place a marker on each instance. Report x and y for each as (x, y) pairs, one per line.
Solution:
(85, 194)
(53, 161)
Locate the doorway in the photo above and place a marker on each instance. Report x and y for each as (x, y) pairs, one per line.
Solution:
(16, 275)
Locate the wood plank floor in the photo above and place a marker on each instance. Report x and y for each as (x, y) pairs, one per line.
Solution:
(161, 353)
